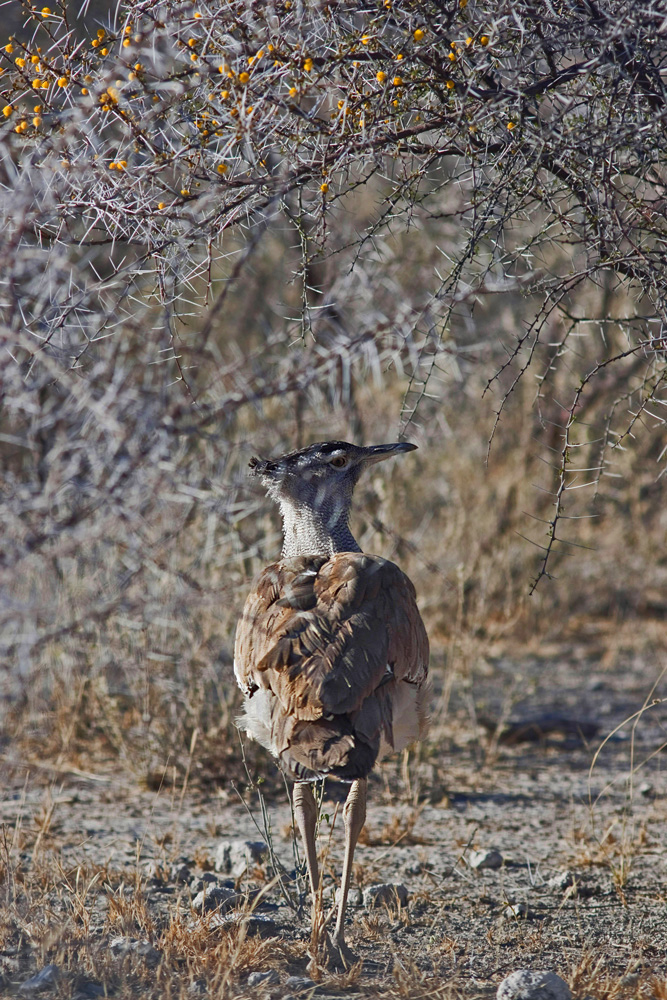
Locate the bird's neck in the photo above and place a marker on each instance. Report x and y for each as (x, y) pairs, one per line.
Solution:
(316, 532)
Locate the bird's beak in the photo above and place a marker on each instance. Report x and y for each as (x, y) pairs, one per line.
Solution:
(378, 452)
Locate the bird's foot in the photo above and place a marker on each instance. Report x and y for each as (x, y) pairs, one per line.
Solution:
(337, 955)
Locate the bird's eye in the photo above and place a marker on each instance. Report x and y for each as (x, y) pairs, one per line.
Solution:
(339, 461)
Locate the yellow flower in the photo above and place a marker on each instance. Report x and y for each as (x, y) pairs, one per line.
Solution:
(399, 55)
(511, 125)
(380, 76)
(365, 39)
(450, 85)
(95, 42)
(292, 91)
(121, 164)
(34, 59)
(36, 84)
(324, 187)
(46, 11)
(469, 40)
(37, 108)
(185, 192)
(84, 91)
(45, 84)
(397, 81)
(222, 168)
(484, 40)
(9, 47)
(451, 56)
(7, 110)
(128, 30)
(341, 105)
(224, 94)
(418, 34)
(126, 43)
(308, 65)
(244, 77)
(192, 42)
(112, 166)
(101, 32)
(194, 56)
(161, 205)
(62, 81)
(20, 62)
(138, 67)
(196, 14)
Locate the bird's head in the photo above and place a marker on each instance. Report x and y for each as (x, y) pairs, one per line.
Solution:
(322, 476)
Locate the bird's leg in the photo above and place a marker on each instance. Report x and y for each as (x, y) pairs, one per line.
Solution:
(354, 815)
(305, 813)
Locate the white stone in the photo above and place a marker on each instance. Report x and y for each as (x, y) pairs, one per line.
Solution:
(388, 893)
(236, 856)
(485, 859)
(526, 984)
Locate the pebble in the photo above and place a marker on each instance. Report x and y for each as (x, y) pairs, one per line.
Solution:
(208, 879)
(518, 911)
(300, 983)
(354, 897)
(561, 881)
(256, 924)
(385, 893)
(124, 946)
(181, 874)
(485, 859)
(524, 984)
(44, 980)
(236, 856)
(215, 897)
(268, 978)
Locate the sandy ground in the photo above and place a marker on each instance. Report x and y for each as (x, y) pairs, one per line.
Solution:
(580, 891)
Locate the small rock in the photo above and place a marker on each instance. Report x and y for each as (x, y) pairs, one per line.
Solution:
(236, 856)
(256, 924)
(561, 881)
(45, 979)
(485, 859)
(269, 978)
(524, 984)
(88, 989)
(207, 879)
(354, 897)
(389, 893)
(180, 874)
(124, 946)
(518, 911)
(300, 983)
(216, 897)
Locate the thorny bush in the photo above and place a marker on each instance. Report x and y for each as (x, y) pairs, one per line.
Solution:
(146, 170)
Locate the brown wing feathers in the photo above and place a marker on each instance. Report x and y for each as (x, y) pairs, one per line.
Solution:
(316, 638)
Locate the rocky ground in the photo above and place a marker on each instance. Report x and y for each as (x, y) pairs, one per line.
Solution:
(514, 842)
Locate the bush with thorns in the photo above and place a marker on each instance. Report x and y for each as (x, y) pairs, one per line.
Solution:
(149, 173)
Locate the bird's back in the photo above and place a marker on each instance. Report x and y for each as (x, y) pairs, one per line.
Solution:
(332, 655)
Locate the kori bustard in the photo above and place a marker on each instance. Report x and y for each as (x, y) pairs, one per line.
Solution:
(331, 652)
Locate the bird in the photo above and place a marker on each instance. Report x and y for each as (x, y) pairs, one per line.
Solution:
(331, 652)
